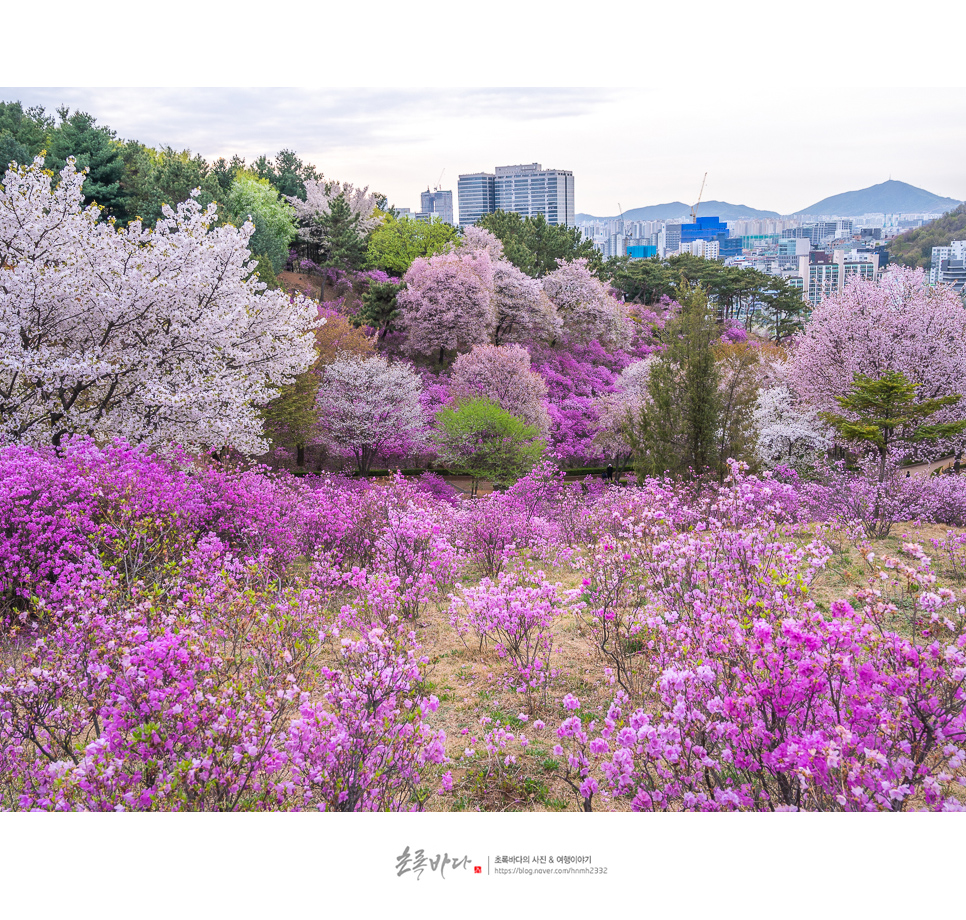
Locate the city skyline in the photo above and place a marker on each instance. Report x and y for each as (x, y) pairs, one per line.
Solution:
(399, 141)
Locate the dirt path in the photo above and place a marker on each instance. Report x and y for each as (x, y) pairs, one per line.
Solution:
(926, 469)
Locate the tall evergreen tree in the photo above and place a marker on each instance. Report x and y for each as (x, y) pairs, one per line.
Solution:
(224, 171)
(94, 148)
(676, 430)
(343, 245)
(28, 128)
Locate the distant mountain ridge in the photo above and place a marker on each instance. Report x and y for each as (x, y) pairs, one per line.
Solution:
(678, 210)
(890, 197)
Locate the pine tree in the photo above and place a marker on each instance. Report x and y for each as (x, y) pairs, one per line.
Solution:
(886, 412)
(94, 148)
(342, 241)
(676, 430)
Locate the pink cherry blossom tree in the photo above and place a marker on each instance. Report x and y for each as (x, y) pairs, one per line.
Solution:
(522, 311)
(369, 407)
(503, 373)
(898, 324)
(160, 336)
(448, 303)
(476, 239)
(588, 311)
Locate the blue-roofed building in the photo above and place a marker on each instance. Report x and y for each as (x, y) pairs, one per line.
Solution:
(642, 252)
(704, 228)
(729, 247)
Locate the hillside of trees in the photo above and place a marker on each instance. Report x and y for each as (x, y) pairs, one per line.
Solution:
(914, 248)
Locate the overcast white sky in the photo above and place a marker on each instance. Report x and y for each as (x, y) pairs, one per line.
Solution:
(780, 109)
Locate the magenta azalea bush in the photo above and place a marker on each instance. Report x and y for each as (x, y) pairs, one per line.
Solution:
(187, 635)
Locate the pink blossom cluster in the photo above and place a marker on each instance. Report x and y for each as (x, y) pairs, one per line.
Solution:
(179, 634)
(516, 614)
(204, 693)
(756, 699)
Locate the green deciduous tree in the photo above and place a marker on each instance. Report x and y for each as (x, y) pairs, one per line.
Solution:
(483, 441)
(273, 217)
(397, 242)
(885, 412)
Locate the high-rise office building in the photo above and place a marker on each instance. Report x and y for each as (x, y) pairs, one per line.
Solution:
(529, 190)
(437, 204)
(526, 189)
(477, 196)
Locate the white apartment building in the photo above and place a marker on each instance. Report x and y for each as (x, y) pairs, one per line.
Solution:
(704, 249)
(823, 276)
(956, 250)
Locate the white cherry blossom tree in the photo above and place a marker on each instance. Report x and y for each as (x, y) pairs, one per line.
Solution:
(789, 430)
(319, 196)
(368, 407)
(159, 336)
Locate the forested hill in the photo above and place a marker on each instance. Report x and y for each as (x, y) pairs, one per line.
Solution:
(914, 248)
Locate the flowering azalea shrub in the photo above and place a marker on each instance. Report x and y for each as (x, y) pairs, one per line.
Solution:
(859, 497)
(187, 635)
(161, 653)
(516, 614)
(767, 704)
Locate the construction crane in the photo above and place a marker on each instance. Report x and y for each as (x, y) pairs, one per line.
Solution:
(439, 181)
(694, 207)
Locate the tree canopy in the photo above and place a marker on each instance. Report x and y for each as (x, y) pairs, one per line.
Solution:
(884, 411)
(397, 242)
(162, 337)
(94, 148)
(743, 295)
(273, 218)
(533, 245)
(898, 324)
(483, 441)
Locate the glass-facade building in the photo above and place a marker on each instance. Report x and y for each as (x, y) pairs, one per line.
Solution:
(477, 196)
(529, 190)
(526, 189)
(704, 228)
(438, 204)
